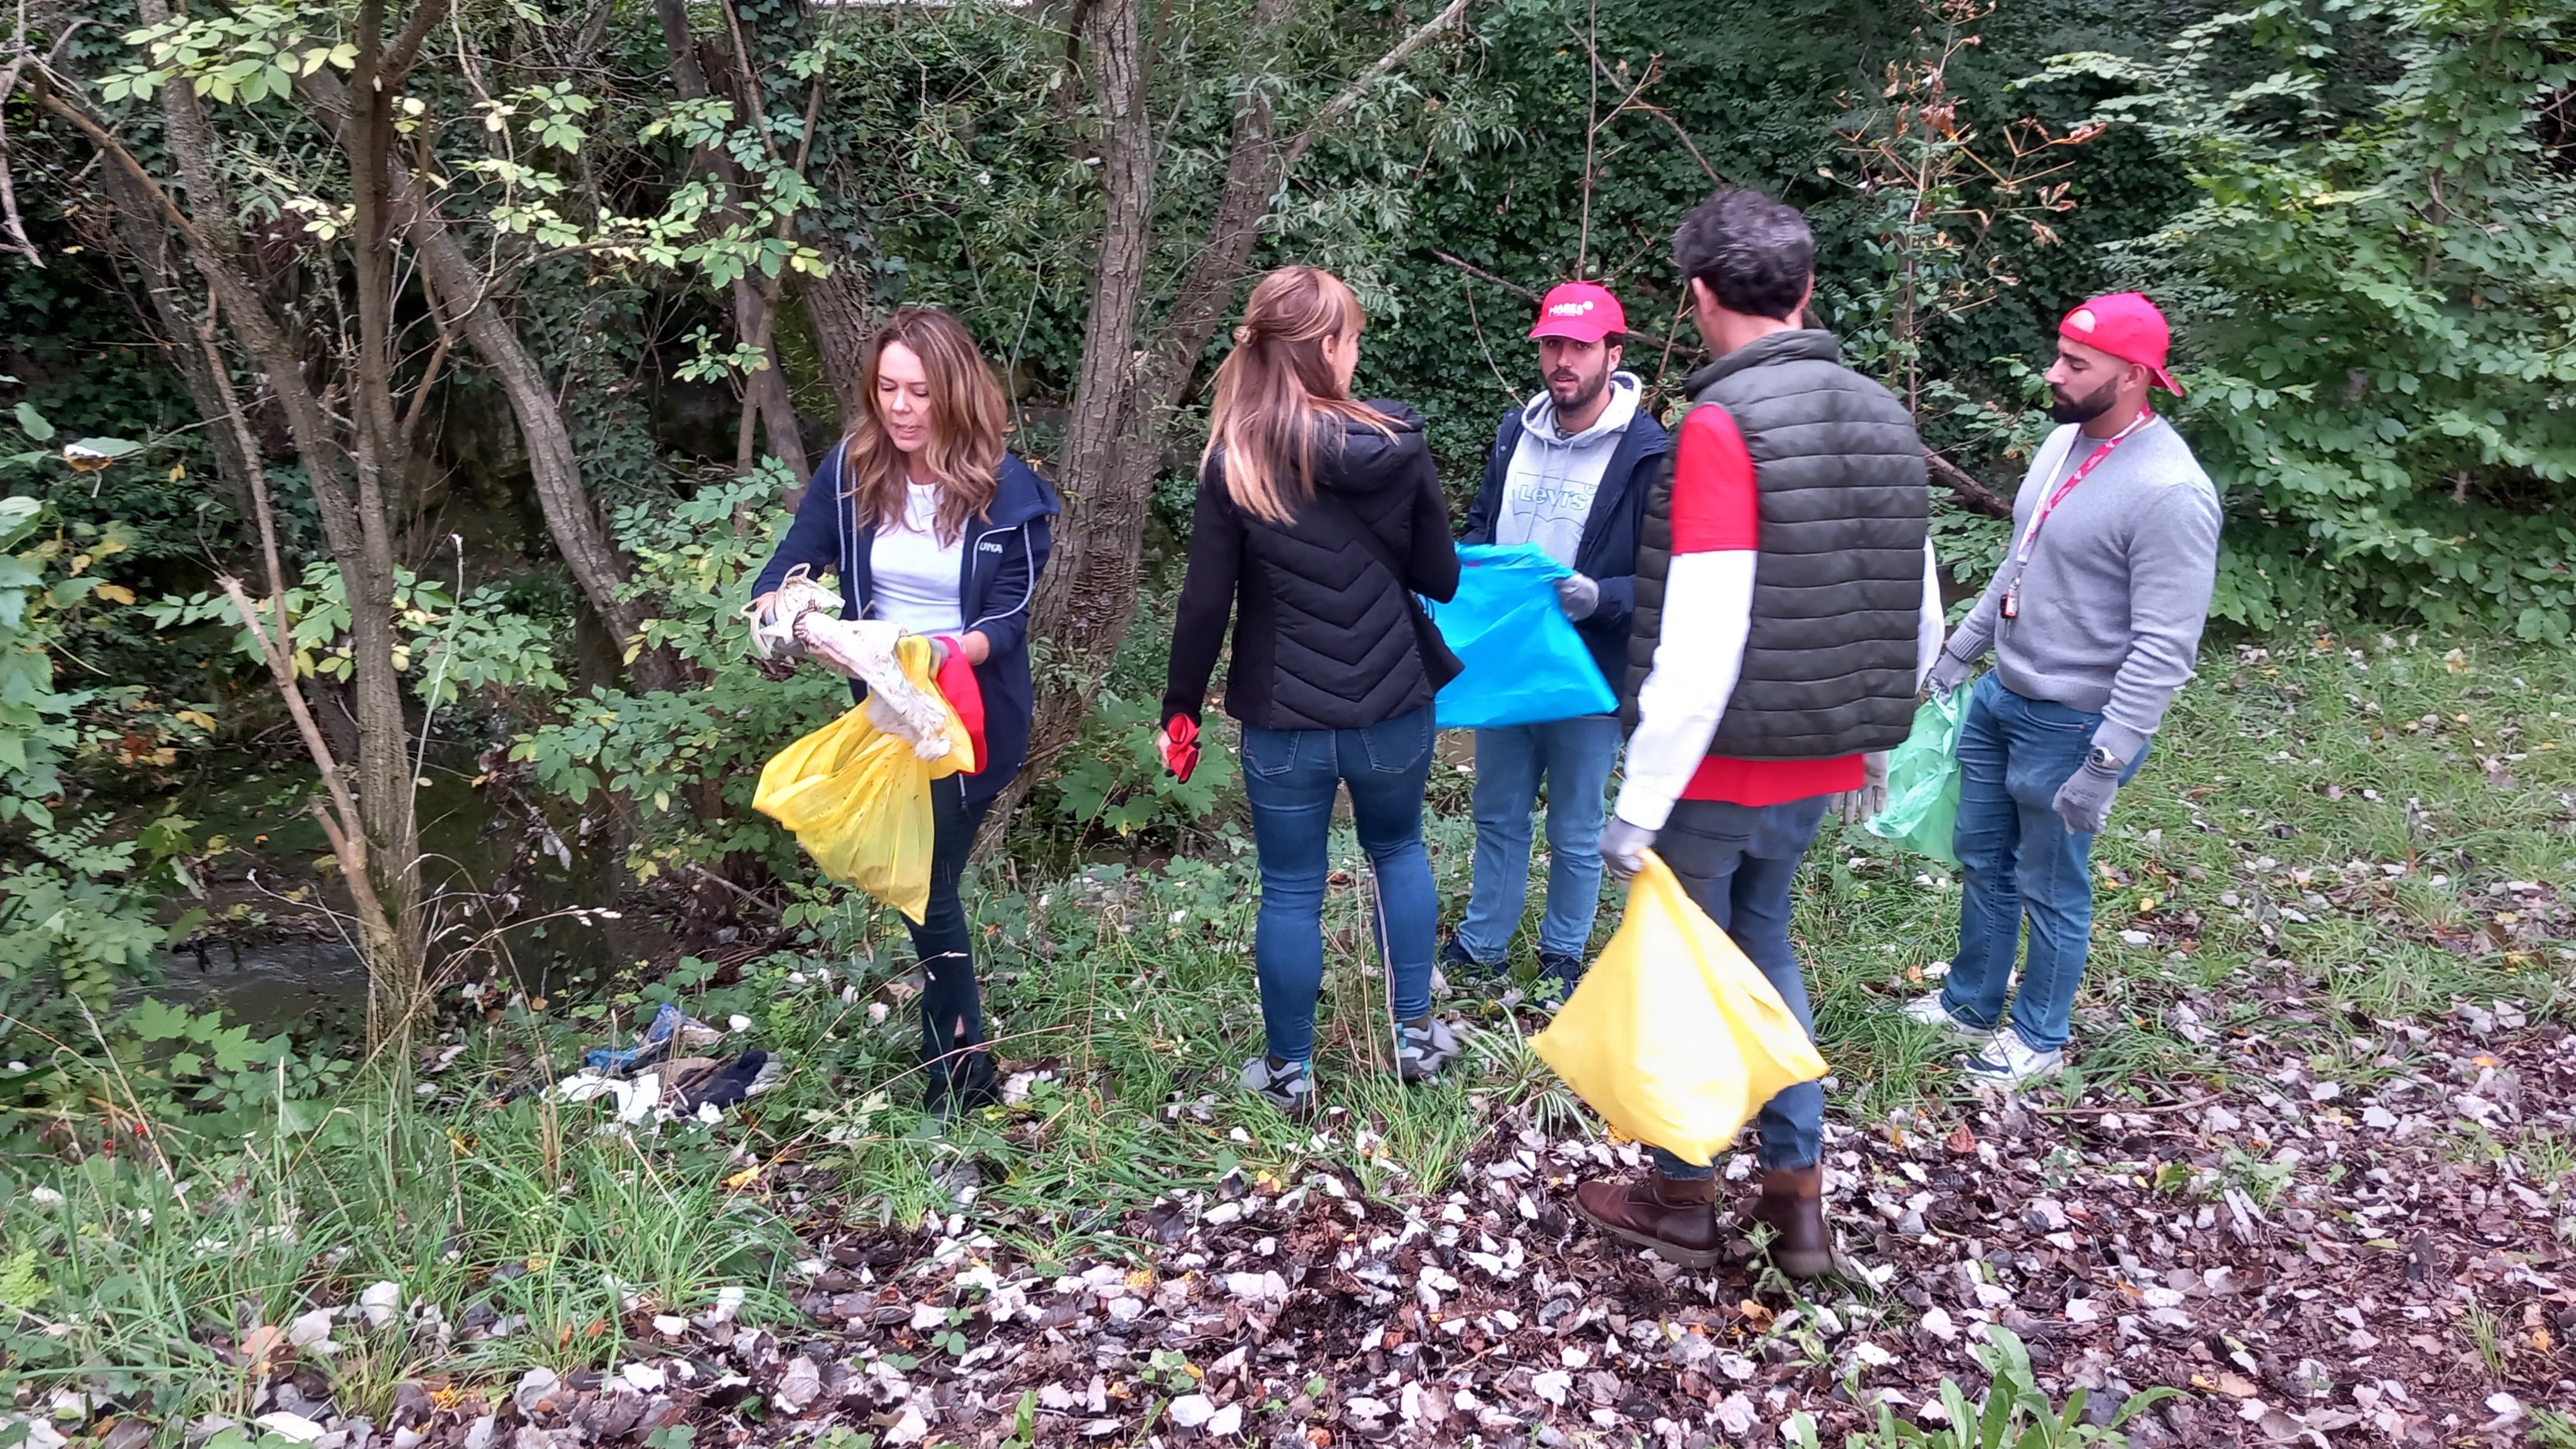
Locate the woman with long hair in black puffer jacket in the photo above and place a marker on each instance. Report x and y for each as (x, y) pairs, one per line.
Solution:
(1318, 518)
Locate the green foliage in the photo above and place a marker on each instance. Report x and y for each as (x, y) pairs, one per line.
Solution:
(686, 761)
(1116, 780)
(478, 643)
(2377, 287)
(2015, 1414)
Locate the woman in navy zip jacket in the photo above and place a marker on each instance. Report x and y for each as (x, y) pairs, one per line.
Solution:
(930, 525)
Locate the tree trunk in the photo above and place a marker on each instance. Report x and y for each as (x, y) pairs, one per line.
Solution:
(765, 390)
(1090, 585)
(837, 304)
(571, 517)
(1123, 408)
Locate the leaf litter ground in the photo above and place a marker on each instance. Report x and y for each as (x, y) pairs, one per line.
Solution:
(2316, 1172)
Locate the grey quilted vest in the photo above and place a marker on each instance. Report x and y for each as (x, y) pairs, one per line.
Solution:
(1838, 582)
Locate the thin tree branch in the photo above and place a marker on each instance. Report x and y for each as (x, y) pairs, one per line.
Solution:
(9, 218)
(1349, 95)
(1654, 70)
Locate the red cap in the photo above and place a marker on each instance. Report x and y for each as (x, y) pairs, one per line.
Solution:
(2127, 326)
(1584, 311)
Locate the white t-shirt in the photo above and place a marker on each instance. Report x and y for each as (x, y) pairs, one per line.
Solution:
(915, 575)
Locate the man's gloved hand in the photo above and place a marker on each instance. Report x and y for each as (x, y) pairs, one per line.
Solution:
(1578, 595)
(1859, 805)
(1948, 673)
(940, 649)
(1624, 846)
(2084, 801)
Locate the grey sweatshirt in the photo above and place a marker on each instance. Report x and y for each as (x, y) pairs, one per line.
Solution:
(2117, 586)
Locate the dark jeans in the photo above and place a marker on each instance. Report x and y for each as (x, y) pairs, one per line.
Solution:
(1291, 777)
(1736, 863)
(2017, 860)
(952, 1011)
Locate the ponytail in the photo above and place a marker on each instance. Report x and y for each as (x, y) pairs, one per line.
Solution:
(1274, 391)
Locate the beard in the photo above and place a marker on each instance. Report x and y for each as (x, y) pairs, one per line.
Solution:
(2066, 408)
(1574, 394)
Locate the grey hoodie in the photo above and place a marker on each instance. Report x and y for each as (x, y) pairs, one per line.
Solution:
(1548, 492)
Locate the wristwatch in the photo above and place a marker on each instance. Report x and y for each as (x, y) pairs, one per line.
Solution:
(2103, 760)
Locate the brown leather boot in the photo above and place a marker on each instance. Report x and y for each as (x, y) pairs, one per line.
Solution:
(1678, 1219)
(1792, 1205)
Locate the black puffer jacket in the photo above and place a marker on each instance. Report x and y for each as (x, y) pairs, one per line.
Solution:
(1323, 639)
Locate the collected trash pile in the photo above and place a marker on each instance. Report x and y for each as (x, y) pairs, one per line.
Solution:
(651, 1080)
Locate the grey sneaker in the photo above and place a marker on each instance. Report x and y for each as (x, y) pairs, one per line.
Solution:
(1290, 1088)
(2008, 1064)
(1422, 1049)
(1928, 1010)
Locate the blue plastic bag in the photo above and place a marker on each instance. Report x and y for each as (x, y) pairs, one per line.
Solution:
(1524, 662)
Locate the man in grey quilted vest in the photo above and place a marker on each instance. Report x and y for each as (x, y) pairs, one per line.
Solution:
(1786, 610)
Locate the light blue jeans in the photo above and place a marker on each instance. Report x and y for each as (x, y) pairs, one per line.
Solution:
(1291, 777)
(1573, 757)
(2018, 860)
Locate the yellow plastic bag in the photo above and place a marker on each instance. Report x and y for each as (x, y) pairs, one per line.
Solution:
(858, 799)
(1674, 1037)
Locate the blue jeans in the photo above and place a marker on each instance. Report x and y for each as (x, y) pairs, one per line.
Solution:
(1291, 776)
(1736, 862)
(1573, 756)
(2017, 859)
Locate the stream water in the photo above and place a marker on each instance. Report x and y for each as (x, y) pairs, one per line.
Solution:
(299, 974)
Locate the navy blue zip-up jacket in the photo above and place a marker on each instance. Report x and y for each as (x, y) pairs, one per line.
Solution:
(1608, 553)
(1006, 551)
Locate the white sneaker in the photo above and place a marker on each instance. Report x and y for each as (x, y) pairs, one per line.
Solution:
(1928, 1010)
(2008, 1064)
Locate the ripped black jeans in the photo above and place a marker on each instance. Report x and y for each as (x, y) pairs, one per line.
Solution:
(952, 1009)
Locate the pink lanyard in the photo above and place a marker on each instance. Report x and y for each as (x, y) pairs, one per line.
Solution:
(2030, 535)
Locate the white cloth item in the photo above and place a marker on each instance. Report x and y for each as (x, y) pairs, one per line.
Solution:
(1554, 475)
(1685, 694)
(914, 577)
(865, 650)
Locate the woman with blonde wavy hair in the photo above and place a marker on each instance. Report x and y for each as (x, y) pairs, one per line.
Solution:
(932, 526)
(1318, 519)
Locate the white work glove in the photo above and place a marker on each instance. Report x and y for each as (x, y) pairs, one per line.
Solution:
(1578, 595)
(1624, 847)
(1859, 805)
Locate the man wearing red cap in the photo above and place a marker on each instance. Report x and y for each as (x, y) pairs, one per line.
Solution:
(1568, 472)
(2094, 617)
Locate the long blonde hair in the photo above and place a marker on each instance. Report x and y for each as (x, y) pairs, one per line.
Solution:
(966, 413)
(1275, 391)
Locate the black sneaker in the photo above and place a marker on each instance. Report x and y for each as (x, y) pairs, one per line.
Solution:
(960, 1083)
(1565, 971)
(1457, 965)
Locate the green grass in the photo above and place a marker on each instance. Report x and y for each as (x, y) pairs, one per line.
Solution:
(1130, 992)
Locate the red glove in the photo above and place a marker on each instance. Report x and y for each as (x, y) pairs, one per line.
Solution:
(964, 693)
(1178, 740)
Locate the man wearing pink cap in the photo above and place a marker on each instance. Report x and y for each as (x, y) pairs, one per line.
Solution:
(1569, 472)
(2094, 618)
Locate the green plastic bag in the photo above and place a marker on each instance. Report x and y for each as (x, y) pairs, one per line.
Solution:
(1923, 780)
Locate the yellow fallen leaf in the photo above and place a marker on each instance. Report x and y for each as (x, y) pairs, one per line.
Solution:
(115, 593)
(199, 718)
(741, 1180)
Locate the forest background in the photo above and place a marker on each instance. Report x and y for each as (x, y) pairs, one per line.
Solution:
(394, 397)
